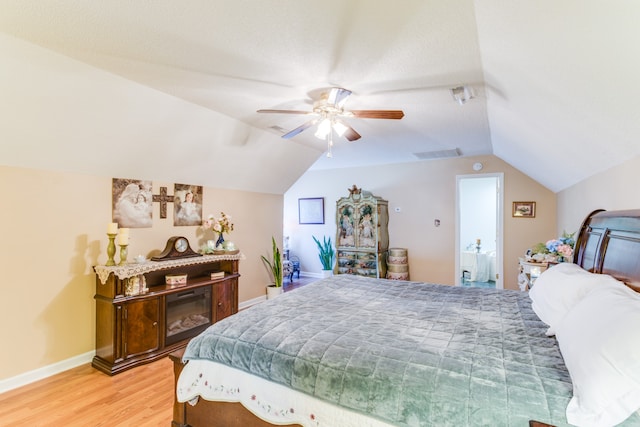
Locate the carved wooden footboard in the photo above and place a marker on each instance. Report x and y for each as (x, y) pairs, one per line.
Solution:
(207, 413)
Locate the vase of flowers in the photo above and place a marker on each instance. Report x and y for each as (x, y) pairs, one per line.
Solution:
(554, 250)
(219, 225)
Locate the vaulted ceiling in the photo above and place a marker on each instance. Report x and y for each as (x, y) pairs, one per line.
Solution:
(169, 89)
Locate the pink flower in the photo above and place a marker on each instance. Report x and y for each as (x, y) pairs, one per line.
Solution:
(565, 250)
(218, 225)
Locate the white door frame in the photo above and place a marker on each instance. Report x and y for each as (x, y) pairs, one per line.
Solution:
(499, 226)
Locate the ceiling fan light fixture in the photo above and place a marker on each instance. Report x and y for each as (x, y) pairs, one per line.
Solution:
(323, 129)
(329, 109)
(462, 94)
(339, 128)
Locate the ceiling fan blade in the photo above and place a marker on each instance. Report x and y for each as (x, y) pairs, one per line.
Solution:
(377, 114)
(349, 133)
(338, 96)
(285, 111)
(299, 129)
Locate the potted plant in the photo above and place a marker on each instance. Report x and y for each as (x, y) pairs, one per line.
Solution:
(275, 268)
(326, 255)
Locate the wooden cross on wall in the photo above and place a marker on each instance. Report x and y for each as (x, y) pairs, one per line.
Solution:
(163, 199)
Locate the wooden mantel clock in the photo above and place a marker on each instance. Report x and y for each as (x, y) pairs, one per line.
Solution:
(177, 247)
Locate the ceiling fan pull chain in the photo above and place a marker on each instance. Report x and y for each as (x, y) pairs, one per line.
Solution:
(330, 143)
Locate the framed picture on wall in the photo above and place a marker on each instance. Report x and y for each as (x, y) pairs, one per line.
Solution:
(311, 210)
(132, 203)
(187, 204)
(524, 210)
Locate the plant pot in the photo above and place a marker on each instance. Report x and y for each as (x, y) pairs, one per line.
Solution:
(273, 291)
(326, 273)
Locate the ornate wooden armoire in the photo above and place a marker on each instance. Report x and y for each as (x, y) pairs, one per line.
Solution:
(362, 239)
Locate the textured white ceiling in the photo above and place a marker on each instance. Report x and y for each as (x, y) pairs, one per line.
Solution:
(555, 85)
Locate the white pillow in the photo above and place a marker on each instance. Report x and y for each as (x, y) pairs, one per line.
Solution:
(600, 345)
(558, 290)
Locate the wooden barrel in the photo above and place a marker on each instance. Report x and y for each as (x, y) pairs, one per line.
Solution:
(398, 264)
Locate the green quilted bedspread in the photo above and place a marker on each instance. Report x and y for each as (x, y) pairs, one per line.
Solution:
(408, 353)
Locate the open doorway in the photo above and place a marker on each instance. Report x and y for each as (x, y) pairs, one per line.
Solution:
(479, 230)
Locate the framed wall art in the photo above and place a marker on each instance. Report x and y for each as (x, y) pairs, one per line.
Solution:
(524, 210)
(187, 204)
(132, 203)
(311, 210)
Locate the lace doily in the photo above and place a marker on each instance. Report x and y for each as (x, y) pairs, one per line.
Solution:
(133, 269)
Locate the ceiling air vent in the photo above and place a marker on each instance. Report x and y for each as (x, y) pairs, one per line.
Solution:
(440, 154)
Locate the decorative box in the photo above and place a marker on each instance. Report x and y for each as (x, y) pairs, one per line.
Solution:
(217, 275)
(175, 279)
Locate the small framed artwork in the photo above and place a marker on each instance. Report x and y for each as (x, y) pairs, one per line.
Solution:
(524, 210)
(187, 204)
(311, 210)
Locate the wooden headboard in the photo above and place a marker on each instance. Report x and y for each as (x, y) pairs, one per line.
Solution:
(609, 243)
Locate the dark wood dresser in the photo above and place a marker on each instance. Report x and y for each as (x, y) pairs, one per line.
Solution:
(140, 318)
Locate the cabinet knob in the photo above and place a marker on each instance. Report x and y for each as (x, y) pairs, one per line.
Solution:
(155, 323)
(220, 304)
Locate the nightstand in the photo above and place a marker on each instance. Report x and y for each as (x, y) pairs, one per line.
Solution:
(529, 272)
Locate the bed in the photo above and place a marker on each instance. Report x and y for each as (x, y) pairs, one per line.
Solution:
(353, 351)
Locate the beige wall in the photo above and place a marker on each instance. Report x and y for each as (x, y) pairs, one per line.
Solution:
(54, 225)
(424, 191)
(54, 231)
(613, 189)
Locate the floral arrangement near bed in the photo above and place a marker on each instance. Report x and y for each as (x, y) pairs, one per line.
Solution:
(555, 250)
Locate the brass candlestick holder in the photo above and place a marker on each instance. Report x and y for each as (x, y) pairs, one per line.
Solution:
(123, 254)
(111, 249)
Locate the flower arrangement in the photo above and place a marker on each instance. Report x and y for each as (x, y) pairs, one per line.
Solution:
(555, 250)
(219, 225)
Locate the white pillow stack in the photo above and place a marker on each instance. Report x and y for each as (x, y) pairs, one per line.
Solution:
(560, 288)
(600, 344)
(595, 319)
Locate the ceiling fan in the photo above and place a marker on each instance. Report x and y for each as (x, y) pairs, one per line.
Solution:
(328, 111)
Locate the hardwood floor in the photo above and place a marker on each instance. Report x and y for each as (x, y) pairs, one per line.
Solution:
(297, 282)
(85, 397)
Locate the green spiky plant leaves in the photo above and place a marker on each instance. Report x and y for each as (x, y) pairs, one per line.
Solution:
(275, 266)
(325, 252)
